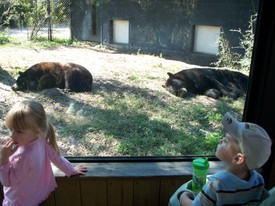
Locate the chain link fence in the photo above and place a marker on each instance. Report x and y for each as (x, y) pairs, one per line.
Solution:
(36, 18)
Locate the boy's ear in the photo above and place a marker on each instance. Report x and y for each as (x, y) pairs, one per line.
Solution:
(238, 159)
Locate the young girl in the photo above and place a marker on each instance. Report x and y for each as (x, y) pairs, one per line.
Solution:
(25, 169)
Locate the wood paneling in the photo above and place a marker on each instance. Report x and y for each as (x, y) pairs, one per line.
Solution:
(124, 184)
(146, 191)
(120, 192)
(68, 192)
(94, 191)
(114, 191)
(168, 187)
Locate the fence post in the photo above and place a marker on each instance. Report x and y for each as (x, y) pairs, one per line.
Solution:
(49, 21)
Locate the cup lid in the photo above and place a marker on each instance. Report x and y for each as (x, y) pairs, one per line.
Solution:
(200, 163)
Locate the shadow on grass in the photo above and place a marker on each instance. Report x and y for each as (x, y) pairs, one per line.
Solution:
(138, 133)
(6, 78)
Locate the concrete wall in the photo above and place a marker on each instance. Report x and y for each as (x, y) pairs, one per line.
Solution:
(160, 26)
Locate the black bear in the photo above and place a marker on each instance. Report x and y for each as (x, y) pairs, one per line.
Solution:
(214, 83)
(45, 75)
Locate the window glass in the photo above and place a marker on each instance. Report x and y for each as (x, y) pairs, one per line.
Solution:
(143, 102)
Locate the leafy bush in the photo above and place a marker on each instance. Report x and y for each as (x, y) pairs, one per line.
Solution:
(230, 59)
(4, 38)
(226, 58)
(34, 14)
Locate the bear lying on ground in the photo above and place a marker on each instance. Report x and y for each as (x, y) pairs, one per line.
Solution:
(45, 75)
(213, 83)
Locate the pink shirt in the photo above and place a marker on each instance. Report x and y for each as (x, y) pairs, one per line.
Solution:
(28, 178)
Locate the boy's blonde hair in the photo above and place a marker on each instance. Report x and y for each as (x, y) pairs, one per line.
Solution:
(236, 144)
(30, 114)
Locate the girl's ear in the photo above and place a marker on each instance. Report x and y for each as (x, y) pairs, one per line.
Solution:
(238, 159)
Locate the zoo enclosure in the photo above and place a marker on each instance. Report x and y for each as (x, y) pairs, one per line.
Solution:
(34, 19)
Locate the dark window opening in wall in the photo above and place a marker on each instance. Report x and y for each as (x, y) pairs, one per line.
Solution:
(111, 32)
(94, 19)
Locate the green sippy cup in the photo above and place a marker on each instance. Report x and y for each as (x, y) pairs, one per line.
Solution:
(200, 168)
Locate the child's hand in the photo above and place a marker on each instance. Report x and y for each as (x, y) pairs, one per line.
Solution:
(186, 198)
(7, 148)
(80, 169)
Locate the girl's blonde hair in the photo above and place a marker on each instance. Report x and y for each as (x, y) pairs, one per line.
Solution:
(30, 114)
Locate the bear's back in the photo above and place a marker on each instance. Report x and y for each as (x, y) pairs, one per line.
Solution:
(45, 75)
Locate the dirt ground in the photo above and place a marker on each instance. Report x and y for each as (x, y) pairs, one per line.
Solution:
(107, 67)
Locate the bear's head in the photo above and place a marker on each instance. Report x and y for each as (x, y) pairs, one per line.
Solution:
(175, 85)
(24, 82)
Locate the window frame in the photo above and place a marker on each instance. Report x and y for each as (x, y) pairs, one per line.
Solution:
(259, 107)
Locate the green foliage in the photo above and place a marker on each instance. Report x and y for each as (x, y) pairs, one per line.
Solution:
(212, 139)
(4, 38)
(149, 4)
(60, 12)
(247, 43)
(43, 42)
(32, 14)
(230, 59)
(35, 14)
(133, 77)
(226, 58)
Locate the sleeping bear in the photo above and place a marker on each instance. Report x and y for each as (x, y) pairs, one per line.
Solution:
(45, 75)
(210, 82)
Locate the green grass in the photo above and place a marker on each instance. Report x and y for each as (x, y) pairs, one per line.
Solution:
(141, 121)
(145, 125)
(39, 42)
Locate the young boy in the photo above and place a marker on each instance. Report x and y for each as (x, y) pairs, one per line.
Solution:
(245, 147)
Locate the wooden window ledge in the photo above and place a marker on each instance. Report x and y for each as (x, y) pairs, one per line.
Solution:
(141, 169)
